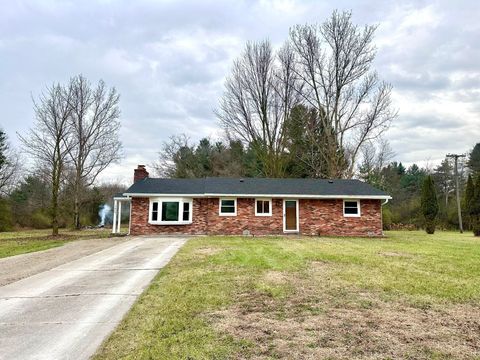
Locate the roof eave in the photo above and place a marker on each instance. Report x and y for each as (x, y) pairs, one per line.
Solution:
(299, 196)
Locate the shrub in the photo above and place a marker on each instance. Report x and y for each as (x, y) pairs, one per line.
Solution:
(6, 221)
(429, 204)
(39, 220)
(387, 218)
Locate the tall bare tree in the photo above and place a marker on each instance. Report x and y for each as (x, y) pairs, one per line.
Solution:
(49, 141)
(258, 97)
(9, 164)
(375, 157)
(94, 130)
(333, 63)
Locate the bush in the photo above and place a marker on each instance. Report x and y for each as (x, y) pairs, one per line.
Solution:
(39, 220)
(6, 221)
(387, 218)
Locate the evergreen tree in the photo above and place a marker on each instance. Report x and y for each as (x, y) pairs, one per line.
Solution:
(429, 204)
(3, 148)
(475, 209)
(474, 160)
(467, 201)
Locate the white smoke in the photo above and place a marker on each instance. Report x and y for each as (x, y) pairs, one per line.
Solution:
(105, 214)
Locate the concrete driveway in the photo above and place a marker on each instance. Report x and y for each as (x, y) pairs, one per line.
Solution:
(66, 312)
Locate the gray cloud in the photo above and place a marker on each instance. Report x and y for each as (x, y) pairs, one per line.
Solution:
(169, 60)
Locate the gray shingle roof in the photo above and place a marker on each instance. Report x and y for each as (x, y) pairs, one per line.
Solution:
(254, 187)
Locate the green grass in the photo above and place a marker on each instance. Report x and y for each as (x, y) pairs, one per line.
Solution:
(21, 242)
(289, 281)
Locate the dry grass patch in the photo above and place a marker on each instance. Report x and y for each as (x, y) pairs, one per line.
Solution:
(207, 251)
(321, 320)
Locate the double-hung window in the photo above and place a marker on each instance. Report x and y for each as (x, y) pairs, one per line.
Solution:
(263, 207)
(228, 207)
(166, 211)
(351, 208)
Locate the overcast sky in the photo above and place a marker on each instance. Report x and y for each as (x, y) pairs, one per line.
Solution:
(168, 60)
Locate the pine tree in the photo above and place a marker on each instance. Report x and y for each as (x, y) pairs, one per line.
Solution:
(475, 209)
(3, 148)
(429, 204)
(467, 200)
(474, 160)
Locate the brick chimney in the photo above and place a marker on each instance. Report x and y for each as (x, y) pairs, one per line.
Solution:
(140, 173)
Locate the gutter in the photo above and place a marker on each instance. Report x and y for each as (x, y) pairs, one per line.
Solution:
(294, 196)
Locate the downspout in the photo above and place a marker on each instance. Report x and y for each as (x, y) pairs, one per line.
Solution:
(381, 212)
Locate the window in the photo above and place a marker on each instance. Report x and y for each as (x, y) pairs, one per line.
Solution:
(186, 211)
(263, 207)
(155, 211)
(351, 208)
(170, 211)
(228, 207)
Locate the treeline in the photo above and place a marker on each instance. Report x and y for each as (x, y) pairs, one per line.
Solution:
(28, 204)
(180, 158)
(73, 140)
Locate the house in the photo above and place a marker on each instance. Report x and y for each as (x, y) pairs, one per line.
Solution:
(255, 206)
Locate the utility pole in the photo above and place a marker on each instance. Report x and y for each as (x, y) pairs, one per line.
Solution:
(457, 190)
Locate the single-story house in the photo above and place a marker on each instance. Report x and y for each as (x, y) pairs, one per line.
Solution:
(252, 206)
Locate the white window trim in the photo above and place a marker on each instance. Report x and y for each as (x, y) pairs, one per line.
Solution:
(269, 207)
(181, 201)
(358, 207)
(220, 213)
(285, 216)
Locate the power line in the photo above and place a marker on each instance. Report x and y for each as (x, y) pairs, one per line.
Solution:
(459, 210)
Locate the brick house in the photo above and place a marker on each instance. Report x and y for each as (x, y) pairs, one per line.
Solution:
(255, 206)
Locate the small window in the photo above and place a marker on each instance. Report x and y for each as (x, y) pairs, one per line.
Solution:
(186, 211)
(263, 207)
(170, 210)
(228, 207)
(155, 211)
(351, 208)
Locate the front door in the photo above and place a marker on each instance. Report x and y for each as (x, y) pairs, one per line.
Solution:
(290, 215)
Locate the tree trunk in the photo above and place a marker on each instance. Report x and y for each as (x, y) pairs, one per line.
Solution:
(76, 212)
(55, 189)
(76, 203)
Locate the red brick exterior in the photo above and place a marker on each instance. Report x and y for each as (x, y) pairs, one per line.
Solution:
(316, 217)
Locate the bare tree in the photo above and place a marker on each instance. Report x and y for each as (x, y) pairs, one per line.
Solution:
(333, 63)
(375, 157)
(95, 127)
(177, 151)
(258, 98)
(49, 141)
(9, 164)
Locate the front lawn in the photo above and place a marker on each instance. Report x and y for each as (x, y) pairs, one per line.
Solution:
(20, 242)
(410, 295)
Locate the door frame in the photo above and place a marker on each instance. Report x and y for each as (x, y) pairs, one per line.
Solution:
(285, 217)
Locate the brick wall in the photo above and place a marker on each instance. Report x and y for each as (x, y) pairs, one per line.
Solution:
(316, 217)
(325, 217)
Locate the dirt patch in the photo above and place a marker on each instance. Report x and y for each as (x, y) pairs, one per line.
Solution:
(275, 277)
(17, 267)
(207, 251)
(330, 321)
(395, 254)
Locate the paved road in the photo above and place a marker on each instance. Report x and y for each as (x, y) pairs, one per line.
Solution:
(66, 312)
